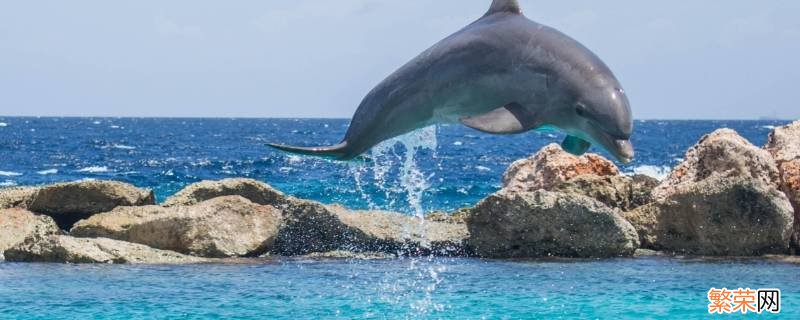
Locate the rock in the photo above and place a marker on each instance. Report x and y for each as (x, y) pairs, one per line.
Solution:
(312, 227)
(457, 216)
(646, 253)
(784, 142)
(544, 223)
(255, 191)
(70, 202)
(551, 166)
(622, 192)
(17, 224)
(784, 145)
(16, 197)
(66, 249)
(718, 216)
(722, 153)
(229, 226)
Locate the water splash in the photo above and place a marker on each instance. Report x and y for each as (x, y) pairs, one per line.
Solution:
(417, 292)
(410, 183)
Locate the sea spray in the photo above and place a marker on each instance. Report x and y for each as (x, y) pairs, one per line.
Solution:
(399, 158)
(410, 184)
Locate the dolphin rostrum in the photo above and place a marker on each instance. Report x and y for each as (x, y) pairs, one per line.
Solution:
(502, 74)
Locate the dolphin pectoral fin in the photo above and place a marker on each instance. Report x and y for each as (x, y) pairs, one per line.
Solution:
(575, 145)
(509, 119)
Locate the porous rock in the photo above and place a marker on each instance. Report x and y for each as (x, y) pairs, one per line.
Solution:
(312, 227)
(723, 153)
(544, 223)
(552, 166)
(784, 145)
(718, 216)
(229, 226)
(66, 249)
(16, 225)
(70, 202)
(622, 192)
(253, 190)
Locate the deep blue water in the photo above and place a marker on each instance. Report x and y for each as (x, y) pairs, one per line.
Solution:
(167, 154)
(454, 167)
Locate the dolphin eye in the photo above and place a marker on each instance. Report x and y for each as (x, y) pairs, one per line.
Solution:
(580, 109)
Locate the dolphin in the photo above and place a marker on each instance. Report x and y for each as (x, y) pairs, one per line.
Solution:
(502, 74)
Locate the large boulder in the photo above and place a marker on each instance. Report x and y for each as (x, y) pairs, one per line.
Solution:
(255, 191)
(312, 227)
(70, 202)
(66, 249)
(229, 226)
(18, 224)
(16, 197)
(723, 153)
(622, 192)
(718, 216)
(552, 166)
(544, 223)
(784, 145)
(784, 142)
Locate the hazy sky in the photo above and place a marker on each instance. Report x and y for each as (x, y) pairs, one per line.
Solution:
(318, 58)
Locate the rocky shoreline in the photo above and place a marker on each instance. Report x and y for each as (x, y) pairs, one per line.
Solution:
(727, 198)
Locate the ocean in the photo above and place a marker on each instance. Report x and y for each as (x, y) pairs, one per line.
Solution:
(437, 168)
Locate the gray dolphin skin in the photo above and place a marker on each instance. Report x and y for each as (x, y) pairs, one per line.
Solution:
(502, 74)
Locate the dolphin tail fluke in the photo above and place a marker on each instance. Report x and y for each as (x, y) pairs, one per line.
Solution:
(336, 152)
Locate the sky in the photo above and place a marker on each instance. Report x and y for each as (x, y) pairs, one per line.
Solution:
(711, 59)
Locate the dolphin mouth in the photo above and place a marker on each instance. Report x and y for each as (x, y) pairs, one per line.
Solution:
(623, 150)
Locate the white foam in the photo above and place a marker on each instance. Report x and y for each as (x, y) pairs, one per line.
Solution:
(94, 169)
(285, 170)
(294, 159)
(114, 127)
(10, 174)
(768, 127)
(483, 169)
(658, 172)
(123, 147)
(8, 183)
(3, 124)
(458, 143)
(48, 171)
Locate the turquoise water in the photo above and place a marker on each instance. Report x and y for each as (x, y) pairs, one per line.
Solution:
(393, 289)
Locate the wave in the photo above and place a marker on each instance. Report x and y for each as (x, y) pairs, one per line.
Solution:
(768, 127)
(48, 171)
(123, 147)
(293, 159)
(94, 169)
(8, 183)
(10, 174)
(658, 172)
(3, 124)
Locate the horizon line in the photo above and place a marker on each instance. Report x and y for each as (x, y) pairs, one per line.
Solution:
(348, 118)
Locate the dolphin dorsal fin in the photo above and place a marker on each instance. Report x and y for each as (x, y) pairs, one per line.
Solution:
(510, 6)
